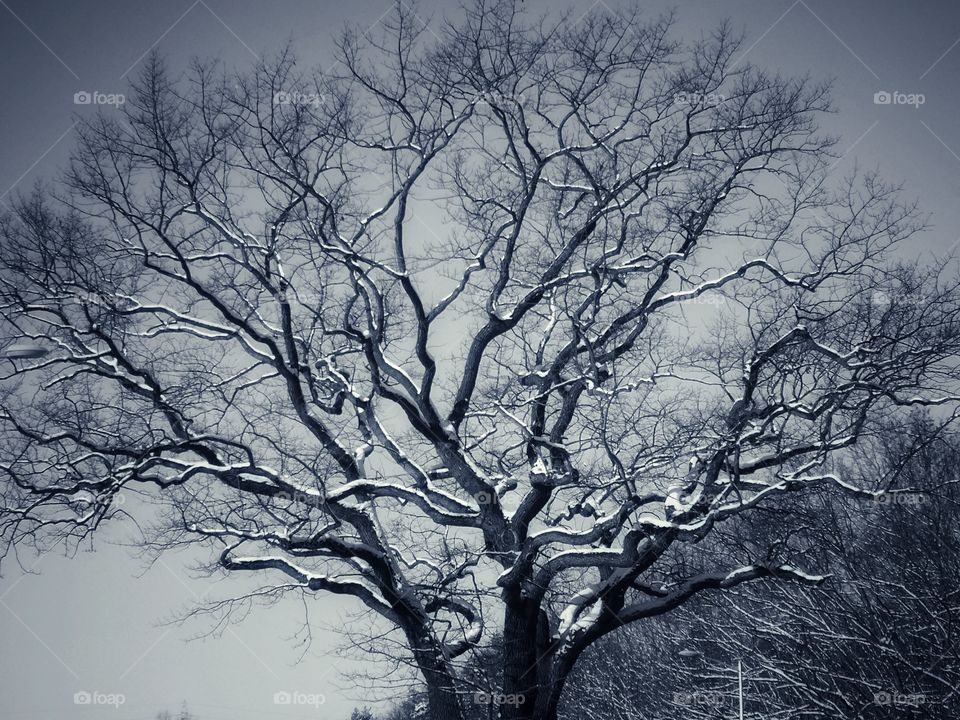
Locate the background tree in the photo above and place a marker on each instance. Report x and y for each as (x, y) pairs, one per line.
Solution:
(184, 714)
(876, 640)
(489, 331)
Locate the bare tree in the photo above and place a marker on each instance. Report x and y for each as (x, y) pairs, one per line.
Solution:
(879, 640)
(184, 714)
(478, 328)
(876, 640)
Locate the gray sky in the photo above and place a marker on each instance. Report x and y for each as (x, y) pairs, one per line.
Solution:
(93, 623)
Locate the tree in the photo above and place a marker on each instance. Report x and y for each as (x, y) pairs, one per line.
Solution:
(487, 330)
(184, 714)
(879, 639)
(876, 640)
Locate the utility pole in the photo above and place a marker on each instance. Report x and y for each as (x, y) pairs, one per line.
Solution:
(740, 683)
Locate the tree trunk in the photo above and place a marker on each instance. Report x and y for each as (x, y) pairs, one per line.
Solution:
(443, 701)
(552, 688)
(523, 650)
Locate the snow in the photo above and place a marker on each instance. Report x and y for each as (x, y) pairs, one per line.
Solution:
(569, 621)
(681, 498)
(600, 554)
(25, 350)
(674, 503)
(504, 486)
(803, 575)
(740, 571)
(547, 442)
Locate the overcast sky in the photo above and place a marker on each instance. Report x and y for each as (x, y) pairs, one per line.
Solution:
(94, 623)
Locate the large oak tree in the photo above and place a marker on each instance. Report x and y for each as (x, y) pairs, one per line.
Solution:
(475, 327)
